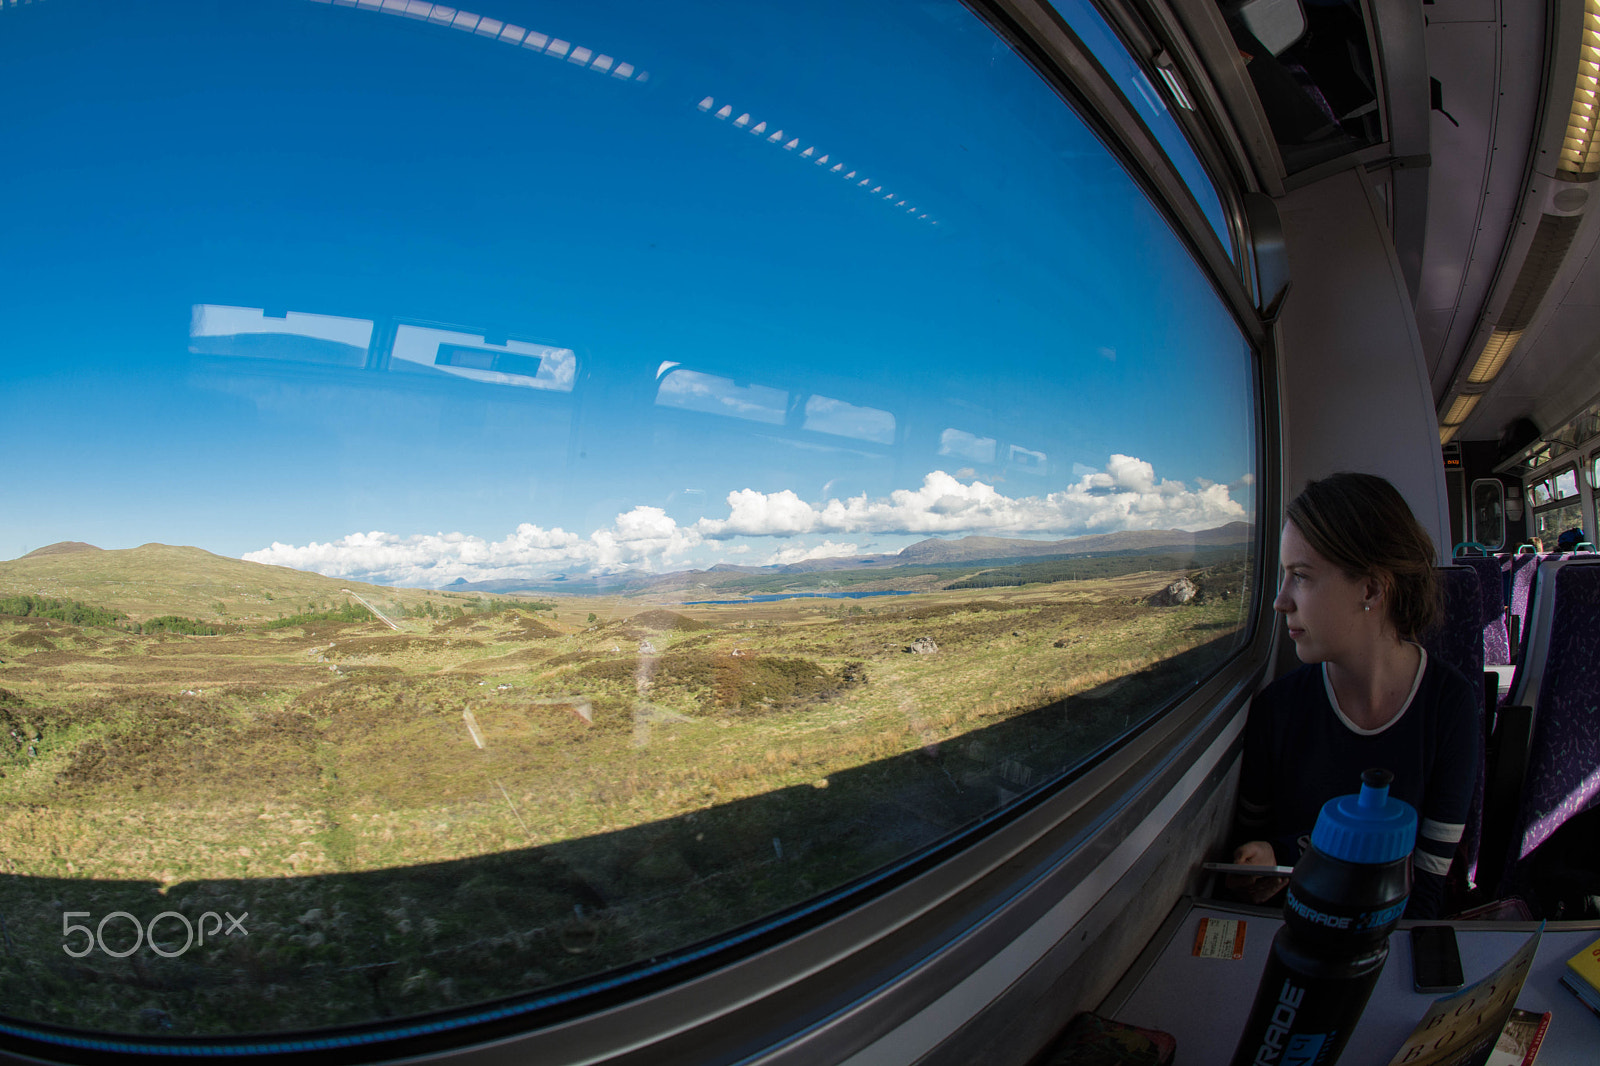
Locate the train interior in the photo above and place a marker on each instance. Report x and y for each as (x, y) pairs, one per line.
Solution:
(623, 324)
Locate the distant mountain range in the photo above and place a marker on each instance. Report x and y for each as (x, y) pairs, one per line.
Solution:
(933, 551)
(155, 579)
(158, 579)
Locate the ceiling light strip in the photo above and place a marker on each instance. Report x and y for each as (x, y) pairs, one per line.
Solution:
(1580, 149)
(1494, 356)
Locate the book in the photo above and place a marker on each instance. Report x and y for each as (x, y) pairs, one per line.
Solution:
(1465, 1027)
(1093, 1040)
(1583, 976)
(1518, 1043)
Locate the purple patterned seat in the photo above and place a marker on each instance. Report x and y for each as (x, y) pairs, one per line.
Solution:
(1563, 776)
(1496, 640)
(1523, 568)
(1456, 640)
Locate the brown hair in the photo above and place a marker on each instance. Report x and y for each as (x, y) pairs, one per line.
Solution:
(1361, 524)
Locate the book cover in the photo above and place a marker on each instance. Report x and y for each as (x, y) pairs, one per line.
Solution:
(1463, 1028)
(1518, 1043)
(1586, 966)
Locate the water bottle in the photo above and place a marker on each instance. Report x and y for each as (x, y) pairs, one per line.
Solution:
(1344, 898)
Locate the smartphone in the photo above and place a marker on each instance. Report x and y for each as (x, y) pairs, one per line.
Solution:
(1435, 960)
(1254, 871)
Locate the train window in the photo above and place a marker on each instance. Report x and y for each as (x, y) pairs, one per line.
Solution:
(1488, 513)
(1152, 104)
(1565, 484)
(508, 503)
(1556, 507)
(1593, 472)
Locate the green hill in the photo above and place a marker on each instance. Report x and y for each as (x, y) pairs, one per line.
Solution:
(163, 579)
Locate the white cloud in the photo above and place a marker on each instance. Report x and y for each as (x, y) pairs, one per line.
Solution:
(797, 554)
(643, 537)
(1125, 495)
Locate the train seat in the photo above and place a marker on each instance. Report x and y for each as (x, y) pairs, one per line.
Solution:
(1523, 569)
(1559, 681)
(1456, 639)
(1492, 608)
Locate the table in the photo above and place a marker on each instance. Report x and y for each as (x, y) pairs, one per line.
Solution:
(1204, 1002)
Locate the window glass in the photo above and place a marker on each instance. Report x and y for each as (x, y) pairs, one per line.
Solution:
(1488, 513)
(1151, 103)
(1566, 483)
(1550, 523)
(1541, 493)
(500, 499)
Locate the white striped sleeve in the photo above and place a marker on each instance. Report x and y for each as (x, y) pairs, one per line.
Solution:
(1430, 863)
(1441, 832)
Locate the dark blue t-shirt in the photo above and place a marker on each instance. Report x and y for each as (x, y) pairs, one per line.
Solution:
(1300, 752)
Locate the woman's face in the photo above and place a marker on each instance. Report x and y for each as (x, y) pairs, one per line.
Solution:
(1323, 607)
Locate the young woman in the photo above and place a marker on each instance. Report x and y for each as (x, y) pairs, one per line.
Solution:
(1358, 586)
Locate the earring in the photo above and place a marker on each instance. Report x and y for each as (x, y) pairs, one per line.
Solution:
(1366, 606)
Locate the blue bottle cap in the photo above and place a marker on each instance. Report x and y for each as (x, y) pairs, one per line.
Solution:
(1371, 826)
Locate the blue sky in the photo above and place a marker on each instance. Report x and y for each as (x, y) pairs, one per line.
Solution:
(614, 319)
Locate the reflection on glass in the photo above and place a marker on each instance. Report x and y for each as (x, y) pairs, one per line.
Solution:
(533, 366)
(1541, 492)
(1107, 47)
(691, 390)
(847, 420)
(291, 335)
(490, 669)
(964, 445)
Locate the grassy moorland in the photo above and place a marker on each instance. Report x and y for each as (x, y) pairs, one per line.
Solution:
(504, 801)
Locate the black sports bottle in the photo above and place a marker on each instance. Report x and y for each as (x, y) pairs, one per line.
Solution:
(1345, 896)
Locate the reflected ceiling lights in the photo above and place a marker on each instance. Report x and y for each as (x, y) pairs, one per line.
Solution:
(504, 32)
(744, 122)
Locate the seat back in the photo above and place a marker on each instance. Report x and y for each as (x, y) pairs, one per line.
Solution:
(1523, 569)
(1563, 772)
(1456, 639)
(1492, 609)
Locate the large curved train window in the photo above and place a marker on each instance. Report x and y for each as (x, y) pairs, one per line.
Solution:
(503, 498)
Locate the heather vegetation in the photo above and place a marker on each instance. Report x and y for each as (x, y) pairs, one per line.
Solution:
(505, 795)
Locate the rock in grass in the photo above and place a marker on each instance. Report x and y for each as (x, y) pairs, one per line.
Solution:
(922, 646)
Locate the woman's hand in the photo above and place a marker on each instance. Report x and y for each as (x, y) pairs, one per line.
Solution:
(1255, 889)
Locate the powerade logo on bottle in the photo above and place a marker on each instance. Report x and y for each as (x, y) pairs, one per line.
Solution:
(1365, 920)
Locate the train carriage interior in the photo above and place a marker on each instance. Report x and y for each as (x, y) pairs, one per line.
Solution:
(470, 591)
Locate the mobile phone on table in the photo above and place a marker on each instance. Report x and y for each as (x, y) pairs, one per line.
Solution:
(1435, 959)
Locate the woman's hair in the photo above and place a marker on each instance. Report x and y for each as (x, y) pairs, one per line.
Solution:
(1360, 523)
